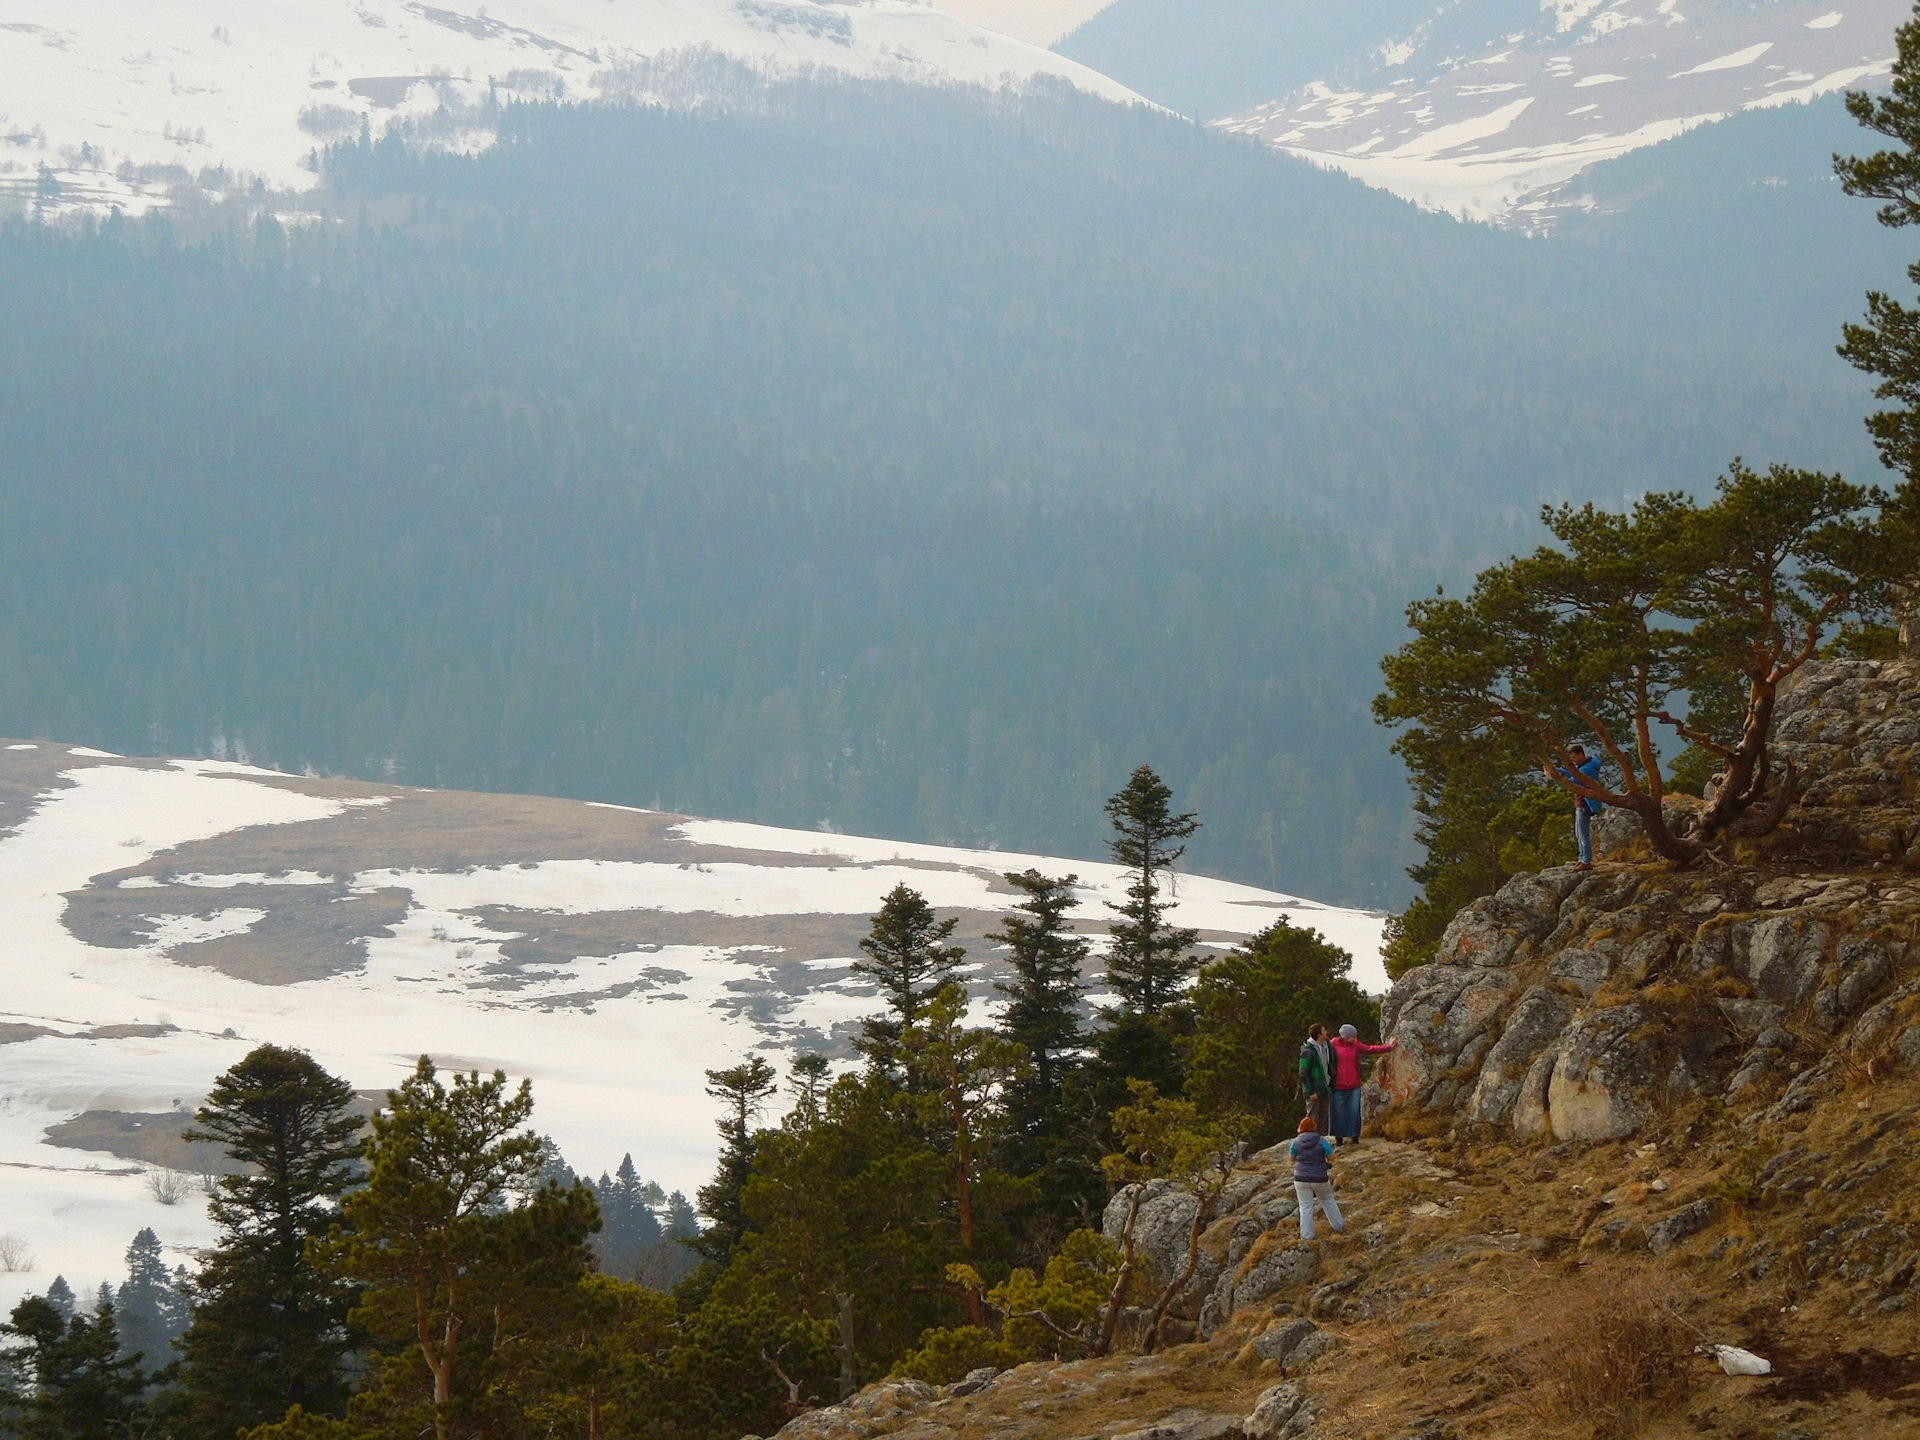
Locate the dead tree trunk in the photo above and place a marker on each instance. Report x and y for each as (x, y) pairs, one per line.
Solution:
(1202, 1217)
(1117, 1298)
(843, 1320)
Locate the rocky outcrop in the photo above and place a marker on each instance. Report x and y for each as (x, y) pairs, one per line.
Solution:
(1577, 1004)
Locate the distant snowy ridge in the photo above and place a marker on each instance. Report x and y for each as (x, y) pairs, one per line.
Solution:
(115, 104)
(160, 918)
(1488, 127)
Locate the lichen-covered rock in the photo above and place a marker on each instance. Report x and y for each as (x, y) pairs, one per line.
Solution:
(1278, 1342)
(1784, 957)
(1443, 1010)
(1536, 1022)
(1669, 1230)
(1283, 1268)
(1160, 1232)
(857, 1414)
(1603, 1077)
(1284, 1410)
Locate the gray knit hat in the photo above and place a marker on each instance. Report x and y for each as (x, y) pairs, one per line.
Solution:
(1347, 1032)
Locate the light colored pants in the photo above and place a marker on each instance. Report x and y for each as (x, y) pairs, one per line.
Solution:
(1317, 1108)
(1321, 1195)
(1583, 834)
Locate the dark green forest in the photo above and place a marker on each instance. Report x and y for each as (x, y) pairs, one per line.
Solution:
(905, 462)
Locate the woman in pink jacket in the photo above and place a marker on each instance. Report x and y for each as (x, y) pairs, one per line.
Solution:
(1347, 1051)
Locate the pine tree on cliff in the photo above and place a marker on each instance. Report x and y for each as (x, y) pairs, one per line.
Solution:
(908, 956)
(1150, 960)
(270, 1330)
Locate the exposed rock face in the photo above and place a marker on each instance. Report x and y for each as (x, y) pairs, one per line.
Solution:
(1603, 1075)
(1160, 1236)
(1281, 1411)
(1574, 1004)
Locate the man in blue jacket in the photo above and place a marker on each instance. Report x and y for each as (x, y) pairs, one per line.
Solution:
(1587, 766)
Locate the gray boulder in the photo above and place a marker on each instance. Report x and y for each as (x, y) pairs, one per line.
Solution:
(1669, 1230)
(1161, 1232)
(1278, 1342)
(1602, 1077)
(1784, 957)
(1282, 1411)
(1321, 1342)
(1441, 1011)
(1536, 1023)
(1187, 1425)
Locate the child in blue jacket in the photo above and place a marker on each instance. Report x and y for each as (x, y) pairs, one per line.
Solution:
(1313, 1178)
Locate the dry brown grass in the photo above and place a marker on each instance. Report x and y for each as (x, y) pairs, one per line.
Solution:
(1612, 1352)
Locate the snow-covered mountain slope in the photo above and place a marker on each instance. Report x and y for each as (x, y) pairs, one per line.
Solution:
(159, 918)
(1490, 104)
(1040, 22)
(119, 100)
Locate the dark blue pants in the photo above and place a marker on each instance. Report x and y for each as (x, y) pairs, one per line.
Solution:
(1346, 1114)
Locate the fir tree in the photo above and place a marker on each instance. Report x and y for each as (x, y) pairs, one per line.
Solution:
(809, 1070)
(147, 1306)
(628, 1224)
(60, 1296)
(682, 1221)
(269, 1330)
(73, 1382)
(1149, 960)
(909, 958)
(1043, 1003)
(743, 1089)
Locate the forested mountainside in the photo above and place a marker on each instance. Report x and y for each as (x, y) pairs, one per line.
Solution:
(912, 462)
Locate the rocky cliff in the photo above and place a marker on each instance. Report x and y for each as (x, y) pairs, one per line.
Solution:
(1633, 1114)
(1579, 1005)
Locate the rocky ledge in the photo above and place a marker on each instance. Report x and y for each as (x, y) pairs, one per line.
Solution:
(1578, 1004)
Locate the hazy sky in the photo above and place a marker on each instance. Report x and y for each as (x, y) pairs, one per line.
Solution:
(1041, 21)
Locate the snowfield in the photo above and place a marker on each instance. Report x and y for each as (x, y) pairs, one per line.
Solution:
(163, 917)
(1495, 130)
(122, 101)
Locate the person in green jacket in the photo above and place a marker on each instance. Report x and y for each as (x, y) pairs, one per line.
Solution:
(1316, 1075)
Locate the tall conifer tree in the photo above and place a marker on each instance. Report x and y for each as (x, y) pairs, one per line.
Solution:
(151, 1314)
(909, 958)
(269, 1330)
(1043, 1001)
(743, 1089)
(1149, 961)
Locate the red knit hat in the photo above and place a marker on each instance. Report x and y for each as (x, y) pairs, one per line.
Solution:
(1308, 1123)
